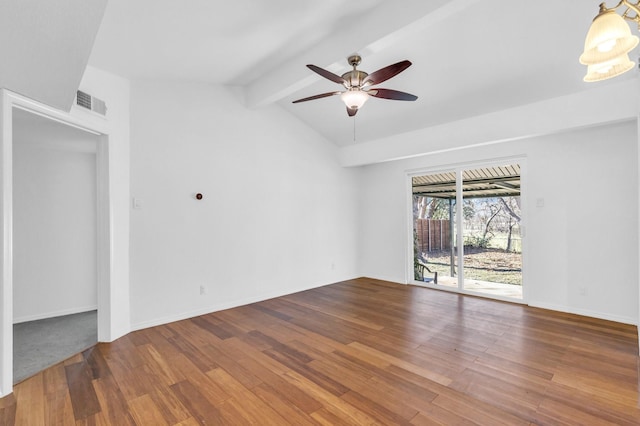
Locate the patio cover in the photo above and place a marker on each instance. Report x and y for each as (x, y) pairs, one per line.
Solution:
(499, 181)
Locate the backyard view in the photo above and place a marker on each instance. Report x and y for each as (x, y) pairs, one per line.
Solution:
(491, 217)
(492, 244)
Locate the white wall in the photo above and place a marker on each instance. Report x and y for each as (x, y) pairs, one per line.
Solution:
(584, 236)
(278, 215)
(54, 227)
(596, 105)
(114, 90)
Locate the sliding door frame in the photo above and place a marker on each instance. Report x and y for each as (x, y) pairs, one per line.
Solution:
(458, 168)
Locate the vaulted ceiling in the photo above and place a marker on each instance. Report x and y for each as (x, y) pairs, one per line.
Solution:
(470, 57)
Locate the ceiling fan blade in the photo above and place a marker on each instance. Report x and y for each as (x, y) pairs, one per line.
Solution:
(322, 95)
(395, 95)
(386, 73)
(327, 74)
(352, 111)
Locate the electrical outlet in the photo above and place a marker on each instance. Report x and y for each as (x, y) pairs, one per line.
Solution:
(583, 291)
(203, 290)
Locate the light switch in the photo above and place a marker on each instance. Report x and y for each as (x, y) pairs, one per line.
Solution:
(137, 203)
(539, 202)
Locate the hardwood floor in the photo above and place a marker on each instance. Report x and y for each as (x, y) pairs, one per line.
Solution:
(357, 352)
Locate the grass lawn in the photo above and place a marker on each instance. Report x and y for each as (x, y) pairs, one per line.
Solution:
(490, 264)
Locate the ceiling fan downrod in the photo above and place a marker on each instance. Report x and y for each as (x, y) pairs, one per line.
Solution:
(354, 79)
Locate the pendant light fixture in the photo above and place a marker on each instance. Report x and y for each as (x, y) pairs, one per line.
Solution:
(609, 41)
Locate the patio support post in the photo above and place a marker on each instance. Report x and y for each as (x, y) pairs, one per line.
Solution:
(451, 239)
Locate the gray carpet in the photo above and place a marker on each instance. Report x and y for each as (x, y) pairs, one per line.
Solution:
(43, 343)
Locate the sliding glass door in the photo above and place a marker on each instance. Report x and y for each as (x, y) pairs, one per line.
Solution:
(434, 229)
(492, 244)
(476, 248)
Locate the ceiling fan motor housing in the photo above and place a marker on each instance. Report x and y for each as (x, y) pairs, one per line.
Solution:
(354, 78)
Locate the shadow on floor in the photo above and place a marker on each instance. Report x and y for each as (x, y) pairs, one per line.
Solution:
(43, 343)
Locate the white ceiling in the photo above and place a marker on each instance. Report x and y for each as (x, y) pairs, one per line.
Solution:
(470, 57)
(45, 46)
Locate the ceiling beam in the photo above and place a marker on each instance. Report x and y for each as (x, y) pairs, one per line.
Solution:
(370, 34)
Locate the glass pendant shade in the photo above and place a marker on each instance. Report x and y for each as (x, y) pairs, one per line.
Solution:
(609, 69)
(354, 98)
(608, 38)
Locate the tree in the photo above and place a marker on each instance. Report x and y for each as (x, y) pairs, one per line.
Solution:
(438, 209)
(490, 208)
(468, 209)
(479, 215)
(512, 206)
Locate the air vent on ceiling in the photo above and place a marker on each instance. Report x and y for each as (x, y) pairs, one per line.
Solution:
(91, 103)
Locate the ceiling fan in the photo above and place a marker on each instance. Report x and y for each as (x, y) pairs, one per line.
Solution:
(358, 84)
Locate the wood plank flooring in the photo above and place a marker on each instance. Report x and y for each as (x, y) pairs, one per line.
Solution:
(359, 352)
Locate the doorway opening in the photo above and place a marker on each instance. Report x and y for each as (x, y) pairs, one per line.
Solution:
(54, 242)
(476, 248)
(10, 103)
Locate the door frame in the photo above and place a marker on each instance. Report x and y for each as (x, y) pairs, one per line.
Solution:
(458, 168)
(97, 126)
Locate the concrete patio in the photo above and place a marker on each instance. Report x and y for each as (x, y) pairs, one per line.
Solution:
(484, 287)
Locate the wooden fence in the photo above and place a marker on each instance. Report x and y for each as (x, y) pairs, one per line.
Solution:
(433, 235)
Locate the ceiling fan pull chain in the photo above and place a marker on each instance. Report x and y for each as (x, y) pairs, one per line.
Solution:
(354, 128)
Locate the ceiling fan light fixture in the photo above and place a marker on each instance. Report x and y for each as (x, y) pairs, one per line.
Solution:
(356, 80)
(354, 98)
(609, 36)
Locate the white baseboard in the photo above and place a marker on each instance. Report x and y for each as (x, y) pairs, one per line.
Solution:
(220, 307)
(549, 306)
(395, 280)
(585, 312)
(54, 314)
